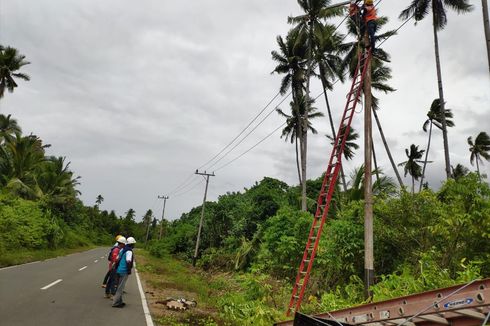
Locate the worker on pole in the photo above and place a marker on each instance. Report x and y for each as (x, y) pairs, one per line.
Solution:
(369, 21)
(355, 15)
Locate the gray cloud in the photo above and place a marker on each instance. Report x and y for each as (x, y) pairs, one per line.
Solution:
(138, 95)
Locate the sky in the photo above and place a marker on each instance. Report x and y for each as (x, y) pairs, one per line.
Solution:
(137, 95)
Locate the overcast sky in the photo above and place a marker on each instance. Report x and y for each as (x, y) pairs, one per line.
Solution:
(139, 94)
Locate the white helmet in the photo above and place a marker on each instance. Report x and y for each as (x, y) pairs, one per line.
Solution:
(131, 240)
(121, 239)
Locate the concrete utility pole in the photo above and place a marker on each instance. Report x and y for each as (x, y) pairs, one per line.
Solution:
(202, 215)
(486, 27)
(163, 214)
(368, 195)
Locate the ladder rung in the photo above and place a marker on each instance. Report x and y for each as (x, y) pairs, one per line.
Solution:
(296, 296)
(299, 284)
(302, 272)
(307, 260)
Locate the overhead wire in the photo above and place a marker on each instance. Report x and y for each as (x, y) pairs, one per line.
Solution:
(182, 186)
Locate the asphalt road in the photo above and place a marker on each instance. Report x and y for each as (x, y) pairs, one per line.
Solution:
(78, 299)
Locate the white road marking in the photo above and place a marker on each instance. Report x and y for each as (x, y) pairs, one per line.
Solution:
(51, 284)
(81, 269)
(96, 260)
(146, 311)
(102, 257)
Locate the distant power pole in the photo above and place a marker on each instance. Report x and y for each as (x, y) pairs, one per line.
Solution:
(202, 215)
(163, 214)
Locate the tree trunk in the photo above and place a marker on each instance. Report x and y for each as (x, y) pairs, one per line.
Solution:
(413, 184)
(330, 119)
(305, 117)
(297, 159)
(385, 143)
(375, 161)
(368, 195)
(478, 167)
(441, 98)
(303, 171)
(426, 156)
(486, 27)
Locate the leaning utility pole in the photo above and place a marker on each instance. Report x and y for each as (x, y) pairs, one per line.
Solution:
(163, 214)
(368, 195)
(202, 215)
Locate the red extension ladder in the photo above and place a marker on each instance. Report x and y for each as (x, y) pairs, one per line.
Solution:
(328, 185)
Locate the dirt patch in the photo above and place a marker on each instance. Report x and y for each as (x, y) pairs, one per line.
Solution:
(158, 287)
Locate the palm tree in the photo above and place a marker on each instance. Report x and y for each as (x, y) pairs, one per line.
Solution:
(10, 62)
(350, 145)
(419, 9)
(57, 182)
(459, 171)
(380, 74)
(294, 122)
(8, 127)
(21, 158)
(480, 148)
(291, 62)
(411, 166)
(99, 200)
(326, 56)
(486, 27)
(434, 118)
(308, 24)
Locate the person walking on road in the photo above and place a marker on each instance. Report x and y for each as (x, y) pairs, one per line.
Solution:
(111, 284)
(123, 270)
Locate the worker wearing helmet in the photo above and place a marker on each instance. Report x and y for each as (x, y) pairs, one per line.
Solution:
(113, 256)
(123, 270)
(369, 19)
(111, 282)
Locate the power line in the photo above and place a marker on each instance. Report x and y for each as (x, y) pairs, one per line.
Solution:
(248, 150)
(263, 119)
(192, 187)
(267, 116)
(241, 132)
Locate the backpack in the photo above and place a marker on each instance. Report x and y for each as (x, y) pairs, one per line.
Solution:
(110, 253)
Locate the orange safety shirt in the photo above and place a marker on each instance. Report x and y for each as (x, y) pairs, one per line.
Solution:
(369, 13)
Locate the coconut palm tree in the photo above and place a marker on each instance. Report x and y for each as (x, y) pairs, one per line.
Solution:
(480, 148)
(434, 118)
(411, 166)
(10, 62)
(8, 127)
(99, 200)
(380, 74)
(327, 58)
(350, 145)
(294, 123)
(291, 62)
(419, 9)
(315, 12)
(21, 158)
(459, 171)
(486, 28)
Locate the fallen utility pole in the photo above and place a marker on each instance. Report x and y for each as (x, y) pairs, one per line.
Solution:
(202, 214)
(163, 214)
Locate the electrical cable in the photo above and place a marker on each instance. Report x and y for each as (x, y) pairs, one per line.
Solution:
(248, 150)
(267, 116)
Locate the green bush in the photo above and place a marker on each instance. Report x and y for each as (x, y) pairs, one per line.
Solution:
(24, 225)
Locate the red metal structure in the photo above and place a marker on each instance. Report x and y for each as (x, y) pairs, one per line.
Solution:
(460, 305)
(329, 181)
